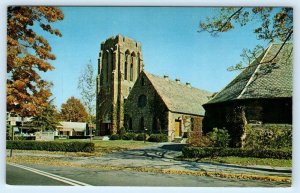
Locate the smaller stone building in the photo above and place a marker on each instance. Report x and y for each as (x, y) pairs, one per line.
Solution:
(260, 94)
(160, 105)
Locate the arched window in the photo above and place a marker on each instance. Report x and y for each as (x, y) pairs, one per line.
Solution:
(131, 72)
(112, 60)
(130, 124)
(142, 101)
(127, 54)
(142, 81)
(155, 125)
(125, 71)
(138, 64)
(106, 66)
(142, 126)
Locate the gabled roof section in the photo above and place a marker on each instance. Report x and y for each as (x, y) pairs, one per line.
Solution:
(178, 97)
(262, 79)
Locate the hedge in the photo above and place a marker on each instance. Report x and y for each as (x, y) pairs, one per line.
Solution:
(128, 136)
(141, 137)
(196, 152)
(79, 137)
(75, 146)
(114, 137)
(158, 138)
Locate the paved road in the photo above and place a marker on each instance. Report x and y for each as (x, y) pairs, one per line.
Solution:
(18, 176)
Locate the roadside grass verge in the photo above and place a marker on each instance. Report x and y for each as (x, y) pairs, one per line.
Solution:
(243, 161)
(57, 163)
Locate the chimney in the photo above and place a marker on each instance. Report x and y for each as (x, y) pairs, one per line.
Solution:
(177, 81)
(166, 77)
(188, 84)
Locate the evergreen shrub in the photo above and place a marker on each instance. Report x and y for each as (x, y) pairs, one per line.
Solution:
(114, 137)
(158, 138)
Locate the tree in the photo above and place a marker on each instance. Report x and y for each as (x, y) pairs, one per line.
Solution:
(48, 119)
(87, 86)
(275, 24)
(73, 110)
(28, 54)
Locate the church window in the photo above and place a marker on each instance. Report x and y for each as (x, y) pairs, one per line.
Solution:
(142, 81)
(125, 71)
(142, 101)
(138, 58)
(142, 125)
(131, 72)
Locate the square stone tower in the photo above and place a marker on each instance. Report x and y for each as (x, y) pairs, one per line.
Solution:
(119, 65)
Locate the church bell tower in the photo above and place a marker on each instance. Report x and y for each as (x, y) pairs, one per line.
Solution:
(119, 65)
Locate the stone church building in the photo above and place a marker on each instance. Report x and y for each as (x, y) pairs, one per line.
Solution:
(119, 65)
(160, 105)
(156, 104)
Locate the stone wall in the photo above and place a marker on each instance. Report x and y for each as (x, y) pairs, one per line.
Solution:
(235, 115)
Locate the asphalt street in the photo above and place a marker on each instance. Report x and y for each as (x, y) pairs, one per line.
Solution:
(21, 176)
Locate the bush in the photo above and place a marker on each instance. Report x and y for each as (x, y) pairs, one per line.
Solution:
(122, 131)
(128, 136)
(158, 138)
(141, 137)
(74, 146)
(268, 136)
(219, 137)
(196, 139)
(114, 137)
(194, 152)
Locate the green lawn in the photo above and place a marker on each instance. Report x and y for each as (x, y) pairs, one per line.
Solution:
(118, 145)
(245, 161)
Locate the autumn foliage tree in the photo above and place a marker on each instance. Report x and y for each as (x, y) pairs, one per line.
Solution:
(272, 24)
(29, 53)
(73, 110)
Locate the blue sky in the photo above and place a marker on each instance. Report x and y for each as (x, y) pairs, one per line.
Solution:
(170, 44)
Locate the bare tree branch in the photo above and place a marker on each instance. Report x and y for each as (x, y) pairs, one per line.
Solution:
(220, 29)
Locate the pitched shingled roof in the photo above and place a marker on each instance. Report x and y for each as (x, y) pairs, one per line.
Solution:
(262, 79)
(178, 97)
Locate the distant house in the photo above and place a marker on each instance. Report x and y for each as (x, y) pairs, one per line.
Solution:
(262, 93)
(73, 128)
(160, 105)
(21, 126)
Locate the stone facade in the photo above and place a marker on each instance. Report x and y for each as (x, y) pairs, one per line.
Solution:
(119, 65)
(234, 115)
(146, 110)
